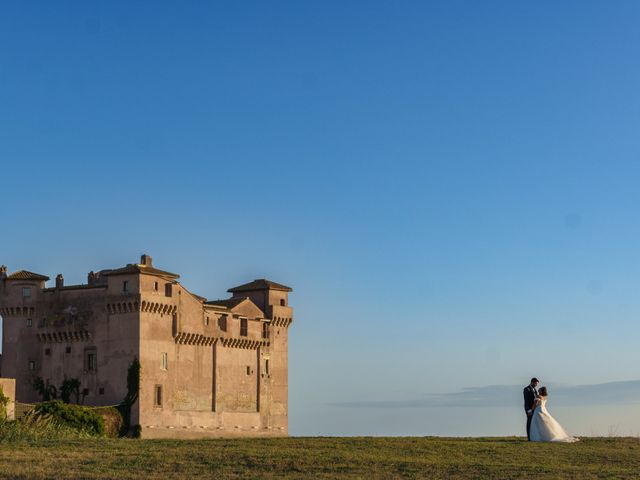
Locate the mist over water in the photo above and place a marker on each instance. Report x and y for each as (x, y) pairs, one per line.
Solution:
(610, 409)
(597, 420)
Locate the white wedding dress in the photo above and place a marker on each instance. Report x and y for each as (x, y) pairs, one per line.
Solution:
(545, 428)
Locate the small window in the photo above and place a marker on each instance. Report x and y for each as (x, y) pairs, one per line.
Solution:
(125, 286)
(29, 322)
(90, 360)
(85, 392)
(266, 366)
(265, 330)
(26, 292)
(243, 327)
(222, 323)
(32, 365)
(168, 290)
(47, 351)
(282, 302)
(206, 321)
(68, 350)
(157, 396)
(248, 370)
(164, 361)
(101, 391)
(156, 286)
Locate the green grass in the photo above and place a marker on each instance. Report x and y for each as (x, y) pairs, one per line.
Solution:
(313, 458)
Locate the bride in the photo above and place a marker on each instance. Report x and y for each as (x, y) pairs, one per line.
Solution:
(545, 428)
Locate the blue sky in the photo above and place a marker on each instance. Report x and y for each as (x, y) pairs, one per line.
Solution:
(451, 188)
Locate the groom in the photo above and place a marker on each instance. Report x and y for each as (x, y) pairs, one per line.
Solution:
(530, 394)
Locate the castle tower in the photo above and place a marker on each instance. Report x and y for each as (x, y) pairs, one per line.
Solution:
(20, 294)
(273, 299)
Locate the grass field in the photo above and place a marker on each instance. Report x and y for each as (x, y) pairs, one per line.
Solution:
(361, 457)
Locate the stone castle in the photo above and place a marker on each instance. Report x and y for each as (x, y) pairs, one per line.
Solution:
(209, 368)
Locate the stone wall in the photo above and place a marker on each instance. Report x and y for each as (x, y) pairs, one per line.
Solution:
(8, 386)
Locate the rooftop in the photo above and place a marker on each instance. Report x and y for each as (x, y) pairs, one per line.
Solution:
(26, 275)
(139, 268)
(145, 267)
(260, 284)
(228, 303)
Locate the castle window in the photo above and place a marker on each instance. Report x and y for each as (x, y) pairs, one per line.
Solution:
(206, 321)
(248, 370)
(222, 323)
(157, 396)
(168, 290)
(265, 330)
(68, 350)
(26, 292)
(156, 286)
(164, 361)
(101, 390)
(90, 360)
(282, 302)
(266, 366)
(32, 365)
(47, 351)
(29, 322)
(85, 392)
(125, 286)
(243, 327)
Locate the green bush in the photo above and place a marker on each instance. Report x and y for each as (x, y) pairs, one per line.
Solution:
(33, 428)
(79, 418)
(113, 421)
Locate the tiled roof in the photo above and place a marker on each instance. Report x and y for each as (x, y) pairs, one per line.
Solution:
(228, 303)
(260, 284)
(25, 275)
(137, 268)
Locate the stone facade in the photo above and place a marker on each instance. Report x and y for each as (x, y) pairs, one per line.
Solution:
(8, 388)
(209, 368)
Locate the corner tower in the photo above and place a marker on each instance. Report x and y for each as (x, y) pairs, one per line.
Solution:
(273, 299)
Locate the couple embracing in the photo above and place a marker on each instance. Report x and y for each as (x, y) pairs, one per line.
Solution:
(541, 426)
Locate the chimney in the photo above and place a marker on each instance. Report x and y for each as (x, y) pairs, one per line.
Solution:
(59, 281)
(146, 260)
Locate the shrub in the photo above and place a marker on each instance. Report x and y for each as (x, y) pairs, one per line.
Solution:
(34, 427)
(79, 418)
(113, 421)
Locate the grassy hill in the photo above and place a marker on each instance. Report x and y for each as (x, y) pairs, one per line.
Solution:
(360, 457)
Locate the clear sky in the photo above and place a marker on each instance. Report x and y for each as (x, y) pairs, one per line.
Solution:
(451, 188)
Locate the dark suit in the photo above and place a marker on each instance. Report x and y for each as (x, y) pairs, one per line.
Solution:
(530, 395)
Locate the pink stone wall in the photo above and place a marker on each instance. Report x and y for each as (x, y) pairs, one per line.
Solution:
(8, 387)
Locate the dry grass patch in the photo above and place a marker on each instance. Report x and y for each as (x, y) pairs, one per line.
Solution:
(323, 458)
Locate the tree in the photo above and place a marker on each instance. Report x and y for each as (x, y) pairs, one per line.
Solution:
(70, 386)
(133, 389)
(46, 391)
